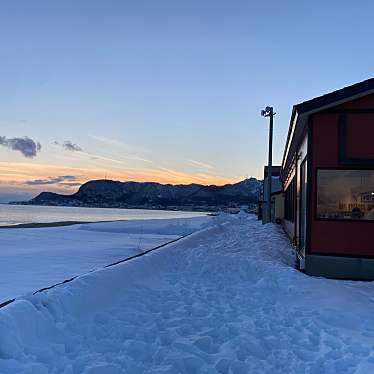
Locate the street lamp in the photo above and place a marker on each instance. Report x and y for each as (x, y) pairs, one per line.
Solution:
(269, 112)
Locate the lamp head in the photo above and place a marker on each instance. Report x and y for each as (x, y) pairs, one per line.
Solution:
(268, 111)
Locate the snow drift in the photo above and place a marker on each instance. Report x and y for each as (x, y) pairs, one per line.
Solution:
(224, 300)
(35, 258)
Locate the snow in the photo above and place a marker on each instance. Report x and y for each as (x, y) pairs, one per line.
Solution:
(225, 299)
(35, 258)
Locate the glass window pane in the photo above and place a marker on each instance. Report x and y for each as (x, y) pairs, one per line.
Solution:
(345, 194)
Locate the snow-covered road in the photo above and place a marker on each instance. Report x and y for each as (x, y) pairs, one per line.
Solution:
(224, 300)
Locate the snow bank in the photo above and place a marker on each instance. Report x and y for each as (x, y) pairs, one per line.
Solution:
(179, 226)
(35, 258)
(224, 300)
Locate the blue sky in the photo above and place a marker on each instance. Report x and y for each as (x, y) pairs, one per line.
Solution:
(164, 90)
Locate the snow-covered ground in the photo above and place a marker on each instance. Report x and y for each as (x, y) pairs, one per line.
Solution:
(223, 300)
(31, 259)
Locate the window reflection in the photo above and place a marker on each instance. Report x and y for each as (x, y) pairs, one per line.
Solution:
(345, 194)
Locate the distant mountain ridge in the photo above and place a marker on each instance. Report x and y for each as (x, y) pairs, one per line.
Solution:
(152, 195)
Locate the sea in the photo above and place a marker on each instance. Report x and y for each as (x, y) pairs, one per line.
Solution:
(26, 214)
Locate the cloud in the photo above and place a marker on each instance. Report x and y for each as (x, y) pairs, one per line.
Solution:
(106, 140)
(62, 179)
(13, 176)
(28, 147)
(131, 151)
(201, 164)
(137, 158)
(70, 184)
(102, 158)
(69, 146)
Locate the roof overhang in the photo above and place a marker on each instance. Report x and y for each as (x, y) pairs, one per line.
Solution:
(301, 113)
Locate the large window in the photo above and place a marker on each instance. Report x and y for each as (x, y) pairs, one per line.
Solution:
(345, 194)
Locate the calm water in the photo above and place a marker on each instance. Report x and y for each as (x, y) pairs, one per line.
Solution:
(16, 214)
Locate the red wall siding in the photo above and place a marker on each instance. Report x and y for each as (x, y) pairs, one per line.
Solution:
(363, 103)
(334, 237)
(360, 131)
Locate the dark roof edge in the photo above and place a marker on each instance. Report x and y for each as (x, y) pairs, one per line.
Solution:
(323, 101)
(334, 96)
(290, 127)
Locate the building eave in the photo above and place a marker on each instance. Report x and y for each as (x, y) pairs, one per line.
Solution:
(301, 112)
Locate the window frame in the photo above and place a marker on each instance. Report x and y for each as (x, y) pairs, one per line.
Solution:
(290, 201)
(350, 221)
(343, 138)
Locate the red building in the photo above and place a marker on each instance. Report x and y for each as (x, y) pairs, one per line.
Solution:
(328, 178)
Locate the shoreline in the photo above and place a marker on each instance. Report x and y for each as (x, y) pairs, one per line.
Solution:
(186, 209)
(39, 225)
(36, 225)
(75, 219)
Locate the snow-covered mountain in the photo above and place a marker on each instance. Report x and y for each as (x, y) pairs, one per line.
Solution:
(108, 193)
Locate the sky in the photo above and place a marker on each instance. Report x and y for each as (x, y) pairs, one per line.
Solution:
(167, 91)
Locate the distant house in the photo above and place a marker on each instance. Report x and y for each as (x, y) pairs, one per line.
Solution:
(327, 176)
(276, 192)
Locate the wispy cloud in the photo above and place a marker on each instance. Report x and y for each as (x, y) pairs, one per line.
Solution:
(93, 156)
(131, 152)
(201, 164)
(61, 179)
(69, 146)
(138, 158)
(106, 140)
(70, 184)
(58, 178)
(27, 146)
(80, 153)
(182, 177)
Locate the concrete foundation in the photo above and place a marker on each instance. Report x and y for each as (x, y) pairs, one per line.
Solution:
(340, 267)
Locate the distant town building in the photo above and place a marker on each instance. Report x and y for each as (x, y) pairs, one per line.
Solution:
(276, 191)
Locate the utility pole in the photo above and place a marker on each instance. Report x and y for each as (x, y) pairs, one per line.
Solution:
(269, 112)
